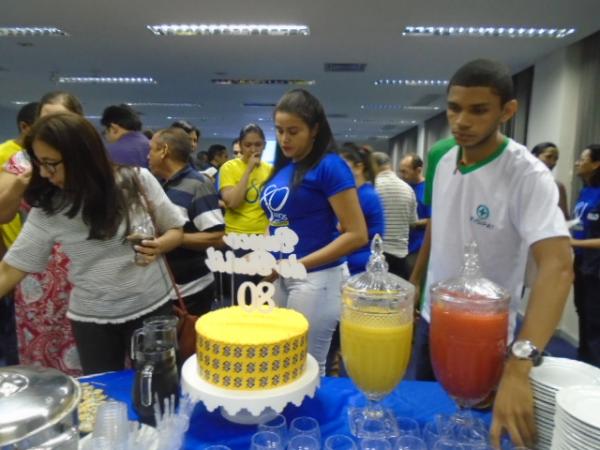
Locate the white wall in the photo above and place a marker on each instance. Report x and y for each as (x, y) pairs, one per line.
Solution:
(553, 117)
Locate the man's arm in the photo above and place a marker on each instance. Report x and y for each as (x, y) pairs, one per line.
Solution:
(420, 269)
(9, 277)
(586, 243)
(421, 223)
(513, 407)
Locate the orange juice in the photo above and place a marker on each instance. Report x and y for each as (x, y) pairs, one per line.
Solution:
(376, 348)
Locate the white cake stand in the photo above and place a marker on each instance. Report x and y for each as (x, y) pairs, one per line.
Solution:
(249, 407)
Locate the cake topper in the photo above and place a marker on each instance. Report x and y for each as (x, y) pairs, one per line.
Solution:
(261, 296)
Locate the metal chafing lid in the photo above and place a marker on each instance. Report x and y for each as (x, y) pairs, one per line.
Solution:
(32, 399)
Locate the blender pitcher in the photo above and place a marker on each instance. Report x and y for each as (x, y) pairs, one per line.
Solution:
(154, 354)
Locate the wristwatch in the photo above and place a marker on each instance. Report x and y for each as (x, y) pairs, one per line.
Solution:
(524, 349)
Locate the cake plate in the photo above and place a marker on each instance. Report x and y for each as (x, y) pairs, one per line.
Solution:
(249, 407)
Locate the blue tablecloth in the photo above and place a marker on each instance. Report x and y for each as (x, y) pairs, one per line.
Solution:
(419, 400)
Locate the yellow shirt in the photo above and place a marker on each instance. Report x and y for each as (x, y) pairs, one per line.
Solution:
(249, 217)
(11, 230)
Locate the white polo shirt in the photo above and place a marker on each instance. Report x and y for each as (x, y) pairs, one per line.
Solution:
(505, 204)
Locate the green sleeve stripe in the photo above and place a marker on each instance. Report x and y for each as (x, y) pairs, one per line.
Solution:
(436, 153)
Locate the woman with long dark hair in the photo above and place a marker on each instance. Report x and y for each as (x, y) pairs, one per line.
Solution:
(310, 191)
(89, 206)
(586, 241)
(360, 162)
(43, 331)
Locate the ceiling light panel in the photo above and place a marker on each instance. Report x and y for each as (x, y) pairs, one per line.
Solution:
(165, 104)
(107, 80)
(391, 106)
(237, 81)
(228, 30)
(418, 83)
(31, 31)
(484, 31)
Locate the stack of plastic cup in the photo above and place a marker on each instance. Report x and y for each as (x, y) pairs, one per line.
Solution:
(112, 424)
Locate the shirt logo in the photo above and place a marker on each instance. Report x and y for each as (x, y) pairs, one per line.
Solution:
(482, 213)
(274, 199)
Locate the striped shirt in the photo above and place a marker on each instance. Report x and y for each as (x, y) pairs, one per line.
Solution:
(400, 210)
(197, 196)
(108, 287)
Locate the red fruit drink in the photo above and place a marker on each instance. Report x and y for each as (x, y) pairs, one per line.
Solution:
(467, 350)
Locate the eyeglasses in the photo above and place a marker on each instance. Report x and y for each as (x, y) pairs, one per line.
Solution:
(49, 166)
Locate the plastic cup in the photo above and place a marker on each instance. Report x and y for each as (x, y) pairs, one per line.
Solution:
(408, 442)
(304, 442)
(448, 444)
(277, 425)
(408, 427)
(305, 425)
(375, 444)
(265, 440)
(217, 447)
(112, 423)
(340, 442)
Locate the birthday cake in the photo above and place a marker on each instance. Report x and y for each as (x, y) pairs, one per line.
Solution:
(241, 349)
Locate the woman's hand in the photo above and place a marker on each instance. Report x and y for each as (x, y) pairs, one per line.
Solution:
(147, 252)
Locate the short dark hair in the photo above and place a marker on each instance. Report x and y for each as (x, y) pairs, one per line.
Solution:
(90, 181)
(251, 128)
(179, 142)
(594, 156)
(308, 108)
(382, 159)
(486, 73)
(27, 114)
(64, 98)
(214, 150)
(415, 160)
(359, 155)
(540, 148)
(123, 115)
(186, 126)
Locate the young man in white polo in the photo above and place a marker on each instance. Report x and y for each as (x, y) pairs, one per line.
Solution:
(485, 187)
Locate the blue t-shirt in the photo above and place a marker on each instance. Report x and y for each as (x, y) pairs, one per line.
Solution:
(416, 235)
(305, 209)
(587, 210)
(372, 208)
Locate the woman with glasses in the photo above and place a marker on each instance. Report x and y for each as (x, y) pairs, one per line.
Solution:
(90, 207)
(44, 333)
(586, 243)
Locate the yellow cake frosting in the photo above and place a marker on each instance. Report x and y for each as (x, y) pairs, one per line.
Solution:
(251, 350)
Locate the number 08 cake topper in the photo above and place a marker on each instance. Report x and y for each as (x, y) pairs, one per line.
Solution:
(261, 296)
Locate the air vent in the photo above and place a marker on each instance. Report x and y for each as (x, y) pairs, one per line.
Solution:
(389, 127)
(345, 67)
(427, 100)
(258, 105)
(337, 116)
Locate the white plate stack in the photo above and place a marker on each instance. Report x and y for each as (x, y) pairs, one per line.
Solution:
(553, 375)
(577, 418)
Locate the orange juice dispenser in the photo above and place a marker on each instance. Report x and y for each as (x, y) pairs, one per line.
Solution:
(376, 336)
(468, 332)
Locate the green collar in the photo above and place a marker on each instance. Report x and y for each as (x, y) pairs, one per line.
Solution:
(468, 169)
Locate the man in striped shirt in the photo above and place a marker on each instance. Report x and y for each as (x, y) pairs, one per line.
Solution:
(400, 209)
(170, 151)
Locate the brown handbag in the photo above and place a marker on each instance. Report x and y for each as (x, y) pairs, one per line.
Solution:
(186, 325)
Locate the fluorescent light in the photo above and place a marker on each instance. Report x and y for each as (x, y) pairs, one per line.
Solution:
(165, 104)
(228, 29)
(395, 107)
(93, 117)
(19, 102)
(478, 31)
(107, 80)
(392, 82)
(384, 122)
(232, 81)
(31, 31)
